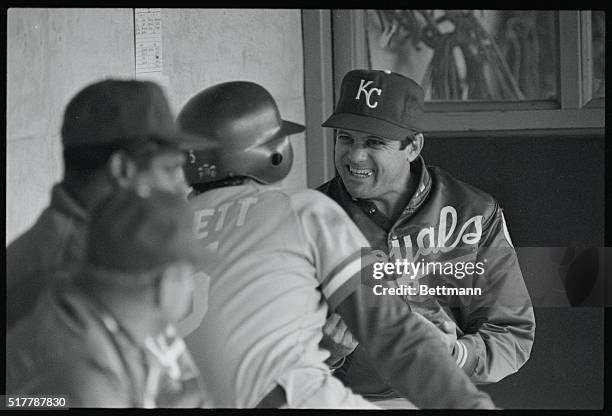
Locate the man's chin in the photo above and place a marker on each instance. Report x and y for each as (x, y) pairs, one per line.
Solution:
(356, 190)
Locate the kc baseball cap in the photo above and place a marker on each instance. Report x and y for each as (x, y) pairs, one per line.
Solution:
(130, 232)
(113, 110)
(382, 103)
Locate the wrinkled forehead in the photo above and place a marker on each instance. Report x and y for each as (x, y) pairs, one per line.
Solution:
(362, 135)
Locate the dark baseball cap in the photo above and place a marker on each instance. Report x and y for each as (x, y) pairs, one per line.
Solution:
(114, 110)
(132, 233)
(382, 103)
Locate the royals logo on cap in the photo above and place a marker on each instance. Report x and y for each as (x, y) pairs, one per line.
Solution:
(382, 103)
(367, 93)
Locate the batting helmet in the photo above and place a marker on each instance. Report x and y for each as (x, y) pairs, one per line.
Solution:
(243, 120)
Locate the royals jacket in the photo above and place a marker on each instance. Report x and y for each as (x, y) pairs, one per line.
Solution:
(454, 235)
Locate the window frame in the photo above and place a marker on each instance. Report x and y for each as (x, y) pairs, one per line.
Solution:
(574, 107)
(586, 43)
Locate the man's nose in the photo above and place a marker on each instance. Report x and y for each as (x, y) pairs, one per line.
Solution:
(357, 153)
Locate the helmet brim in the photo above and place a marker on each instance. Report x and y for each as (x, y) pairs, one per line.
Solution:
(288, 128)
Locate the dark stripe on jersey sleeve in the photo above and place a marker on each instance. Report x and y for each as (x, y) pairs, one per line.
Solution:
(344, 291)
(347, 260)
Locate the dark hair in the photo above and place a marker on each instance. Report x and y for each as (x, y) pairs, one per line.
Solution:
(409, 139)
(87, 160)
(233, 181)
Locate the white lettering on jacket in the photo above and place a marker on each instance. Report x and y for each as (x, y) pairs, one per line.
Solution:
(427, 242)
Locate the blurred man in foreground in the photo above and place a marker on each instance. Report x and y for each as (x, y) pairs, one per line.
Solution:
(106, 338)
(115, 134)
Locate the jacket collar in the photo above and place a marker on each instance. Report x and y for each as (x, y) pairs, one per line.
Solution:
(65, 203)
(423, 187)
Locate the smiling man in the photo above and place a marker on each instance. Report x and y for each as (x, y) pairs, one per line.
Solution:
(381, 175)
(421, 213)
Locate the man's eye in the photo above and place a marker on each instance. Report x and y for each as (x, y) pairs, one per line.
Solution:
(344, 139)
(376, 144)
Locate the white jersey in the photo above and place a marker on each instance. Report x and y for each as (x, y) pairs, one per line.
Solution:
(277, 258)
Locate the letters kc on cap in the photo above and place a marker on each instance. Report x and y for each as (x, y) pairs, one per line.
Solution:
(362, 87)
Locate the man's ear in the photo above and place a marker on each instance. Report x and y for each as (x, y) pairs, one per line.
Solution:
(414, 147)
(173, 291)
(165, 288)
(121, 168)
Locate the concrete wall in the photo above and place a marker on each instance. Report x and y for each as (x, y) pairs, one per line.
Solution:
(53, 53)
(206, 47)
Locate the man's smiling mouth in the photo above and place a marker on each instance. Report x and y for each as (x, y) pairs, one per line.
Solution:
(360, 172)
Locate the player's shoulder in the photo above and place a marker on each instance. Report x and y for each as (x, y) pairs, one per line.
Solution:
(46, 233)
(310, 199)
(250, 188)
(316, 210)
(271, 198)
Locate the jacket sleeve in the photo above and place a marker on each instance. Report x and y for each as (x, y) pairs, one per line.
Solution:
(407, 351)
(499, 326)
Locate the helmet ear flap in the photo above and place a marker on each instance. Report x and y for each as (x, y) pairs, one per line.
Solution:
(279, 161)
(276, 159)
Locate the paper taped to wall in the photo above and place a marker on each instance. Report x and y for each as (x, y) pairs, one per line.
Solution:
(148, 42)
